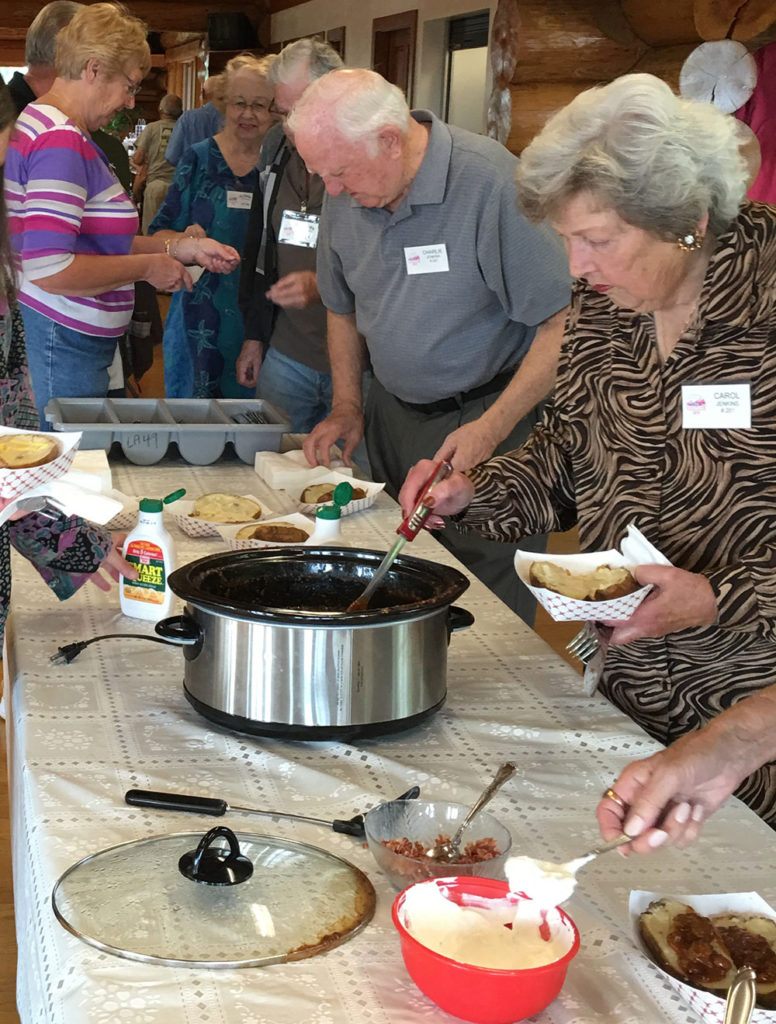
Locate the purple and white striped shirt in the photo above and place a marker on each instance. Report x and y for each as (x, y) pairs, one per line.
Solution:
(63, 200)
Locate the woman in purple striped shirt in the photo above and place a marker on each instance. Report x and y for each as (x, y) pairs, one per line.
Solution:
(65, 550)
(73, 228)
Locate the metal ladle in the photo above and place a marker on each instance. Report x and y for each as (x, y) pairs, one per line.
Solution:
(448, 852)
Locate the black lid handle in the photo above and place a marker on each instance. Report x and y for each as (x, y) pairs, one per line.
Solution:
(214, 866)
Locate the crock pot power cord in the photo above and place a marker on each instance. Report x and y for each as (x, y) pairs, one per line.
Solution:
(70, 652)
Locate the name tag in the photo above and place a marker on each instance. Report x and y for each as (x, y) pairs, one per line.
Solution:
(426, 259)
(716, 406)
(299, 228)
(238, 200)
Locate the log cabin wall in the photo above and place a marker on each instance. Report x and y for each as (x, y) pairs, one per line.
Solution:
(544, 52)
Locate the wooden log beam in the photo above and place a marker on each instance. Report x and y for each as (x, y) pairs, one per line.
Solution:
(666, 62)
(562, 41)
(533, 104)
(733, 19)
(172, 15)
(11, 52)
(662, 22)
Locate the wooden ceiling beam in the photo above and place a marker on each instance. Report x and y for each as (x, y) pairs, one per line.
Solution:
(171, 15)
(11, 52)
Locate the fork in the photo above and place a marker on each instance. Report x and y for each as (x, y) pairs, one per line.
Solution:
(585, 645)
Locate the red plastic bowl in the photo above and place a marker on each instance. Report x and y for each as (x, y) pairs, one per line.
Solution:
(480, 994)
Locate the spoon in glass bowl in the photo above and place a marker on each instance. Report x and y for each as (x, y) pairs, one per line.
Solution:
(450, 851)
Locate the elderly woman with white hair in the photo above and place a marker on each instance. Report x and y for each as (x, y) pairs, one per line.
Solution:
(211, 194)
(664, 413)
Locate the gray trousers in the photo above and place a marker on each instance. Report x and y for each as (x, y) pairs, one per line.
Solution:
(398, 436)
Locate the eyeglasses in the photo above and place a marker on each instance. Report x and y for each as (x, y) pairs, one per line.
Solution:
(278, 111)
(132, 88)
(255, 108)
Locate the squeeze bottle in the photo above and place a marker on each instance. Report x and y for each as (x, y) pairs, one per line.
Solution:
(327, 518)
(150, 548)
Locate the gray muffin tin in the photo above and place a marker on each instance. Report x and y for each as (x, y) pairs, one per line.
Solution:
(145, 427)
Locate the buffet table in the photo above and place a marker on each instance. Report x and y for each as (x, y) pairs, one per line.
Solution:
(80, 735)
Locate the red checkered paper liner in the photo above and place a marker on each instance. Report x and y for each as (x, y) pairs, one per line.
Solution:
(710, 1007)
(229, 533)
(635, 550)
(14, 483)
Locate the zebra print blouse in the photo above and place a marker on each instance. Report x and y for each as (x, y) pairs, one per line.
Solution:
(611, 450)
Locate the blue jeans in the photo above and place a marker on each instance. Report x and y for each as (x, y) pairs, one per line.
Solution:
(64, 363)
(304, 393)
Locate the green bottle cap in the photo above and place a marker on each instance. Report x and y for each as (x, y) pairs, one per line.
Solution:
(343, 493)
(150, 505)
(328, 512)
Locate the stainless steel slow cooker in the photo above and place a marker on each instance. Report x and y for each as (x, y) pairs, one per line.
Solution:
(269, 649)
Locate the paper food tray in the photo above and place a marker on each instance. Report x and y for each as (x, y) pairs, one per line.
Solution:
(635, 549)
(229, 532)
(181, 514)
(126, 519)
(710, 1007)
(16, 482)
(372, 490)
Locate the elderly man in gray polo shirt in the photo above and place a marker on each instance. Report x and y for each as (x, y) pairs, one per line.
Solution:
(424, 262)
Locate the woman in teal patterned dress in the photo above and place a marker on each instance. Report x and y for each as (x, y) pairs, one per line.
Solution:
(211, 195)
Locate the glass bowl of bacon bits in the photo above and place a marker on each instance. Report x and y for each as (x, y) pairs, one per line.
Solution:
(400, 832)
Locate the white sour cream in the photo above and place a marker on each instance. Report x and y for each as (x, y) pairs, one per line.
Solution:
(476, 933)
(542, 881)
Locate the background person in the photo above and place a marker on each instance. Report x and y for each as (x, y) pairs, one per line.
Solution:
(65, 551)
(424, 261)
(676, 287)
(80, 255)
(211, 193)
(284, 354)
(198, 124)
(667, 797)
(153, 172)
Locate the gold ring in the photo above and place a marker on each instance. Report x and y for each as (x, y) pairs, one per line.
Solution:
(609, 794)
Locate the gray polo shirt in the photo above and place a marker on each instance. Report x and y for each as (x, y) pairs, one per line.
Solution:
(432, 335)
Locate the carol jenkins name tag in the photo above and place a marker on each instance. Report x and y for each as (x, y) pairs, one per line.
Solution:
(716, 406)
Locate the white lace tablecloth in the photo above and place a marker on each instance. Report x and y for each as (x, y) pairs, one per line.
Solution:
(80, 735)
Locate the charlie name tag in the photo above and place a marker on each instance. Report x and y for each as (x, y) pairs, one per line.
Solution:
(426, 259)
(299, 229)
(238, 200)
(716, 406)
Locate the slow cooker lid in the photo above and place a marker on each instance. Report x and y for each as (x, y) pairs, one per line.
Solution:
(135, 900)
(314, 583)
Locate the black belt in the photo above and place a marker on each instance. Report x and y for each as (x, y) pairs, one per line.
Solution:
(456, 402)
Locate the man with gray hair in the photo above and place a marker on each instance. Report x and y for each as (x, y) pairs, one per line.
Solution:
(284, 354)
(425, 263)
(149, 160)
(39, 46)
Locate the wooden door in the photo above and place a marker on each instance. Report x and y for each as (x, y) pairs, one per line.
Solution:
(393, 49)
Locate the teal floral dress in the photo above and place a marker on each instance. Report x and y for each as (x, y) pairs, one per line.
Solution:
(203, 333)
(65, 551)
